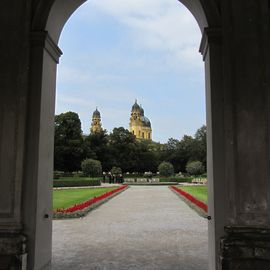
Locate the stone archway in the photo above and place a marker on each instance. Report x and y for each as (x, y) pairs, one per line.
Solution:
(33, 221)
(235, 43)
(208, 20)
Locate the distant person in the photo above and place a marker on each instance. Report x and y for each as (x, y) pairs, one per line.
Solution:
(121, 179)
(110, 178)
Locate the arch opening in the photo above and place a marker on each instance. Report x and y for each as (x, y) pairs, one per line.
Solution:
(51, 18)
(101, 111)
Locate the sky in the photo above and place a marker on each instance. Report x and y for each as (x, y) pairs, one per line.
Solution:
(116, 51)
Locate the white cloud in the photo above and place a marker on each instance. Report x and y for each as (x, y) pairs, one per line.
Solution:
(130, 8)
(162, 40)
(159, 25)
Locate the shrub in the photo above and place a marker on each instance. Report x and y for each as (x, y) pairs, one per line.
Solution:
(91, 167)
(204, 175)
(116, 171)
(78, 174)
(195, 168)
(176, 179)
(75, 183)
(67, 174)
(165, 169)
(57, 174)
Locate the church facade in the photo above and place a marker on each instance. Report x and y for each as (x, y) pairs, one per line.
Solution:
(96, 122)
(139, 124)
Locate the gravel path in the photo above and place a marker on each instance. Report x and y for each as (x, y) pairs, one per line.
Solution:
(143, 228)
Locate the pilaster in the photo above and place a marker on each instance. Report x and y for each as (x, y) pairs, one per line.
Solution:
(211, 49)
(37, 187)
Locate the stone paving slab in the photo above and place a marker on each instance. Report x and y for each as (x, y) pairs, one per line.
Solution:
(146, 228)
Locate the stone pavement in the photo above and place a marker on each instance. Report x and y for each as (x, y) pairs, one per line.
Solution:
(143, 228)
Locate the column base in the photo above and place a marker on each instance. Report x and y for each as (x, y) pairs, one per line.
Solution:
(245, 248)
(12, 252)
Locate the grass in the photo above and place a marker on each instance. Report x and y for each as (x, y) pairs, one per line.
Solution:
(199, 192)
(68, 197)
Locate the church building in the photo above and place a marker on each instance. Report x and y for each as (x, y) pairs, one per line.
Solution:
(96, 122)
(139, 125)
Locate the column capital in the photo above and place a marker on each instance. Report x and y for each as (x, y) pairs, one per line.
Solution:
(210, 35)
(44, 40)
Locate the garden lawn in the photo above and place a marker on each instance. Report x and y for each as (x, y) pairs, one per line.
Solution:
(68, 197)
(199, 192)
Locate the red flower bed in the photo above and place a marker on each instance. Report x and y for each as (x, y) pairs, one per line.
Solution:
(200, 204)
(81, 206)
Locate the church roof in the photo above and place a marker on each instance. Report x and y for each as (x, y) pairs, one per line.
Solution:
(136, 107)
(146, 122)
(96, 114)
(142, 110)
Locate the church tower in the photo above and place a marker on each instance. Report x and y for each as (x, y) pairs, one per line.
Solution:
(140, 125)
(96, 122)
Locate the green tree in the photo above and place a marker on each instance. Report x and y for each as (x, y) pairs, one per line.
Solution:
(179, 152)
(91, 167)
(68, 140)
(195, 168)
(201, 147)
(201, 134)
(172, 144)
(145, 157)
(96, 146)
(122, 148)
(165, 169)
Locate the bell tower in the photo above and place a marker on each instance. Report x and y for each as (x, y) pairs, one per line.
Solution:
(96, 122)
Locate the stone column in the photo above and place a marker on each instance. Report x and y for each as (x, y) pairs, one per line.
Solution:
(211, 49)
(246, 76)
(14, 64)
(38, 178)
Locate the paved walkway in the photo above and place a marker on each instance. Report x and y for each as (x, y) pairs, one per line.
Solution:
(143, 228)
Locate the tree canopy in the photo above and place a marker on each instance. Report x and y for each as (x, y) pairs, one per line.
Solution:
(68, 140)
(121, 149)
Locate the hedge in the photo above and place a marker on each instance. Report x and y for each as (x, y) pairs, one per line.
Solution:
(85, 178)
(176, 179)
(75, 183)
(60, 174)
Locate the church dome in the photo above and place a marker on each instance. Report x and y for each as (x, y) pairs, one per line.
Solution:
(146, 122)
(96, 114)
(142, 111)
(136, 107)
